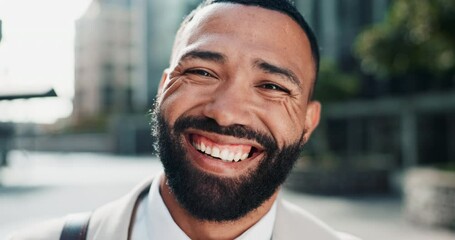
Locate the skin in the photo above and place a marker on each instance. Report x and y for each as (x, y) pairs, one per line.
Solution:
(239, 65)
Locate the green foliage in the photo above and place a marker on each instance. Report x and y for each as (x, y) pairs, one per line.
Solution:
(417, 36)
(450, 167)
(334, 85)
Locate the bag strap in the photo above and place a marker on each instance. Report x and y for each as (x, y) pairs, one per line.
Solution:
(76, 227)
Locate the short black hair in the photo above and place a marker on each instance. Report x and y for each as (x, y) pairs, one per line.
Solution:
(283, 6)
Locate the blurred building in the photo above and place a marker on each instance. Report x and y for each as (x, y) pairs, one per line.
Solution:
(338, 22)
(121, 50)
(106, 59)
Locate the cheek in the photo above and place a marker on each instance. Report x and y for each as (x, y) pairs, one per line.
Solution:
(286, 122)
(179, 99)
(170, 87)
(169, 100)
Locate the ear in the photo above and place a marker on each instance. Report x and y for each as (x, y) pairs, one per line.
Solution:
(313, 115)
(163, 81)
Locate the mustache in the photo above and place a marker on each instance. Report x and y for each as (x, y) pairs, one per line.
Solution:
(239, 131)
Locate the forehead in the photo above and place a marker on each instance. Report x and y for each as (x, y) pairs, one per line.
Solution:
(255, 31)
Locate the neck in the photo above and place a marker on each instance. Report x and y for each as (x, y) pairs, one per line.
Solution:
(197, 229)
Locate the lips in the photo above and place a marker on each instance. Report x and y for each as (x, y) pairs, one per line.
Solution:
(226, 152)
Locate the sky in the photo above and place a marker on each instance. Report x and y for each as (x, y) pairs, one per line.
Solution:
(37, 53)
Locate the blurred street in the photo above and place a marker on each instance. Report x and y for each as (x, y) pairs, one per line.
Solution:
(38, 186)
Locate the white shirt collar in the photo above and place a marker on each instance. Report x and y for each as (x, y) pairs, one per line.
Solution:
(153, 220)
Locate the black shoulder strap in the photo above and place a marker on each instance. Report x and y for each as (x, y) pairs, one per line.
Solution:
(76, 227)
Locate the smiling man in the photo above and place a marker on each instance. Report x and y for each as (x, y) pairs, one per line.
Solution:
(234, 110)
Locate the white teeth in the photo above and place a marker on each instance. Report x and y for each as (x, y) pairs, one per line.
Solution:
(237, 156)
(244, 156)
(196, 146)
(203, 147)
(225, 155)
(231, 156)
(215, 152)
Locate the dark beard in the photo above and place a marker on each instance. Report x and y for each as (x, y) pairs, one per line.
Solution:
(213, 198)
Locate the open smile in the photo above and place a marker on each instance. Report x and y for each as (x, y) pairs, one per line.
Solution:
(224, 152)
(219, 153)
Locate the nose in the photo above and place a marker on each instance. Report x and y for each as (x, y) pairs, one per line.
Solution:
(230, 105)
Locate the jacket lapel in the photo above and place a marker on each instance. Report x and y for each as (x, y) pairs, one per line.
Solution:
(293, 223)
(113, 221)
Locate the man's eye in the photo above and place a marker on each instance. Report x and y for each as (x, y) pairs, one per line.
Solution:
(274, 87)
(199, 72)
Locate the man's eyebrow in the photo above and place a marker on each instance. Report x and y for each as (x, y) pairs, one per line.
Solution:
(204, 55)
(273, 69)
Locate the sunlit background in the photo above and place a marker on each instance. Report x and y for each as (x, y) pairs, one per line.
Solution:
(380, 165)
(37, 53)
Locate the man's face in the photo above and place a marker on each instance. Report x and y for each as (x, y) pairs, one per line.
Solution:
(233, 109)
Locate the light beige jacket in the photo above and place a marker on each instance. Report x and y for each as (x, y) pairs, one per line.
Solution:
(112, 222)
